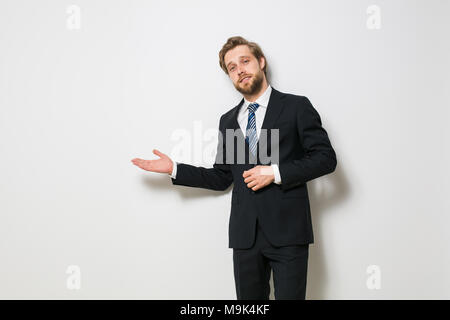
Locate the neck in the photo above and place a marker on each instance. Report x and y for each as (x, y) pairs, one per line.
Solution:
(253, 97)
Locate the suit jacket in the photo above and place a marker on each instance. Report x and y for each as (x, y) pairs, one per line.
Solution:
(305, 153)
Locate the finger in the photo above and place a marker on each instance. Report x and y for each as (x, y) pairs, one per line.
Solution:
(139, 163)
(252, 184)
(144, 164)
(247, 173)
(149, 165)
(248, 179)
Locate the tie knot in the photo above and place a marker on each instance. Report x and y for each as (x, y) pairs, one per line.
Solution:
(253, 106)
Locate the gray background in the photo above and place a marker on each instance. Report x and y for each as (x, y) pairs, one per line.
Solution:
(77, 105)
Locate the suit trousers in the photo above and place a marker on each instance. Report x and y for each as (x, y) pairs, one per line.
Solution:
(252, 270)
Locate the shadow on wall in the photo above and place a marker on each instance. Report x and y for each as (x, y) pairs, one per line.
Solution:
(164, 183)
(324, 194)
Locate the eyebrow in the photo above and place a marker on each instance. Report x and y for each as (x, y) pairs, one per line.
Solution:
(239, 58)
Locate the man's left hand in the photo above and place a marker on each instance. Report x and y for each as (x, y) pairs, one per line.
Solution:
(258, 177)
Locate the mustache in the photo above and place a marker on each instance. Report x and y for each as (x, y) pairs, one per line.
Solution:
(248, 75)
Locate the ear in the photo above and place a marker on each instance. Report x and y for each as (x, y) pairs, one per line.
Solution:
(262, 63)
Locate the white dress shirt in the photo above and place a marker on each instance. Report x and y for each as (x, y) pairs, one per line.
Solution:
(242, 119)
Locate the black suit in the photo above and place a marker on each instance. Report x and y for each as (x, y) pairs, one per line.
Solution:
(282, 211)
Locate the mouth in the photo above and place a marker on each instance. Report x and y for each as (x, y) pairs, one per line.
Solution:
(245, 79)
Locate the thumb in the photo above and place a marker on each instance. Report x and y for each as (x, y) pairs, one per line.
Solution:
(158, 153)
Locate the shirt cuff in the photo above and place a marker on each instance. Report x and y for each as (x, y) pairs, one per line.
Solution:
(174, 170)
(276, 173)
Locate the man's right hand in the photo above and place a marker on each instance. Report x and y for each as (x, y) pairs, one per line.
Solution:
(162, 165)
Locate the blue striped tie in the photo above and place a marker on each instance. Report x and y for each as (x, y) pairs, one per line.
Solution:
(251, 136)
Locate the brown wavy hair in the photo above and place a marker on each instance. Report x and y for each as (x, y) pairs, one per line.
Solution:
(237, 41)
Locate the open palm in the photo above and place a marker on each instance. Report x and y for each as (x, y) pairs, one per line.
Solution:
(162, 165)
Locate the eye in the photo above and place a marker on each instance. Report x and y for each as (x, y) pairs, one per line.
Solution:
(245, 61)
(232, 68)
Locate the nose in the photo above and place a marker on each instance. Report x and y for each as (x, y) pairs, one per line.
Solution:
(241, 71)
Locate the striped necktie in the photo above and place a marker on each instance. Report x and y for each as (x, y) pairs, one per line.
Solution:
(251, 135)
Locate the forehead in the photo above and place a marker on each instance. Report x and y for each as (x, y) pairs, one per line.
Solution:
(234, 54)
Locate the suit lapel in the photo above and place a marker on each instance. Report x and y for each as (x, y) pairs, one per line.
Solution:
(274, 109)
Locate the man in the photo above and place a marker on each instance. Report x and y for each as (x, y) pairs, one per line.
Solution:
(270, 222)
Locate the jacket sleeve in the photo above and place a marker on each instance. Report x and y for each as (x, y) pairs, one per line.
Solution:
(219, 177)
(319, 157)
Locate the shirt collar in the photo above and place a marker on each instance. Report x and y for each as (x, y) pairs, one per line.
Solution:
(263, 99)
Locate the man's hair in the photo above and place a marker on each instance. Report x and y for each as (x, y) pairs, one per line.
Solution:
(236, 41)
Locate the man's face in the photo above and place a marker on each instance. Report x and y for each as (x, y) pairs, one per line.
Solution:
(244, 70)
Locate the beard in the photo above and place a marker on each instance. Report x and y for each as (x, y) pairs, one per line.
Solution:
(253, 86)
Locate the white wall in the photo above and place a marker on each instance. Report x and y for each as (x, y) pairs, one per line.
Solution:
(77, 105)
